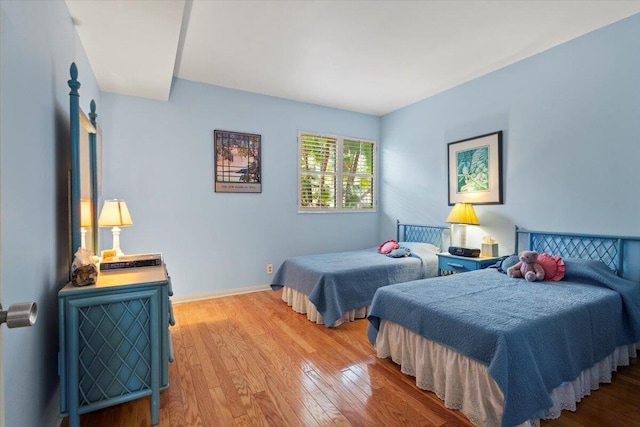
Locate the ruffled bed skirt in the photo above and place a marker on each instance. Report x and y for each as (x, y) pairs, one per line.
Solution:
(300, 303)
(465, 385)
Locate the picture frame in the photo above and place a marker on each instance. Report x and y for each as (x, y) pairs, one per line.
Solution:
(238, 162)
(475, 170)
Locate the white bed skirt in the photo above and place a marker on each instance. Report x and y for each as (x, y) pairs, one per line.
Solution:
(465, 385)
(300, 303)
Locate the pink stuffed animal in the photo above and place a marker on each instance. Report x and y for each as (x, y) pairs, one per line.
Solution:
(527, 267)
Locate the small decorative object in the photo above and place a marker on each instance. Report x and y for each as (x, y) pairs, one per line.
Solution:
(388, 246)
(489, 246)
(401, 252)
(528, 267)
(237, 162)
(84, 271)
(108, 254)
(507, 261)
(475, 170)
(553, 265)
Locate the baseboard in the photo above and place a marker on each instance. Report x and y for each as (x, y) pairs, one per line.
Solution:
(219, 294)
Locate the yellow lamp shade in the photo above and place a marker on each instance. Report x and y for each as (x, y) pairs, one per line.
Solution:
(463, 213)
(115, 214)
(85, 213)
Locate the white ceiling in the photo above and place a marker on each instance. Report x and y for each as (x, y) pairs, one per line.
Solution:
(367, 56)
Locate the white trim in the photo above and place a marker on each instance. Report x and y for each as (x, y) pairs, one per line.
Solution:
(220, 294)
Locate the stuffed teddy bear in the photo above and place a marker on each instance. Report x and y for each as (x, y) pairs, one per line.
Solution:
(527, 267)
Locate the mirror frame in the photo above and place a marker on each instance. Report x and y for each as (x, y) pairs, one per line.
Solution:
(93, 176)
(76, 117)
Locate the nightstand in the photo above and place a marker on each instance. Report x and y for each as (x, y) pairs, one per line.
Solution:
(450, 264)
(114, 340)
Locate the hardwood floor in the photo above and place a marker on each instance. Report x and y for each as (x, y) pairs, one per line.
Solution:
(249, 360)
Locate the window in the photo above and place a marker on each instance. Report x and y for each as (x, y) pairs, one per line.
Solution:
(335, 174)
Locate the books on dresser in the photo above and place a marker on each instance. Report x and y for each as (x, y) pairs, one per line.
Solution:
(131, 261)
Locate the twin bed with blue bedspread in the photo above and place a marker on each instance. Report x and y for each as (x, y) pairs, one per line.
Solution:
(338, 287)
(514, 351)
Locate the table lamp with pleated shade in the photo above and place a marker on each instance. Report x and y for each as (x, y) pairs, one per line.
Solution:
(115, 214)
(462, 214)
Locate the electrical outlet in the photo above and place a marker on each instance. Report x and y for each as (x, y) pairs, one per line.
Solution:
(269, 268)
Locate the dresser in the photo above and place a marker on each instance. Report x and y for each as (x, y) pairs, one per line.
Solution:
(115, 344)
(450, 264)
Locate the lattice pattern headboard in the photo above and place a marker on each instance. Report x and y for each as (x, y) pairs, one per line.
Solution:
(608, 249)
(433, 234)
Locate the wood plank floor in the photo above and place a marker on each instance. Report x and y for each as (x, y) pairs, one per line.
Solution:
(249, 360)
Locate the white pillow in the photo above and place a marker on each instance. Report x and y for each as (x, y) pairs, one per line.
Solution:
(421, 250)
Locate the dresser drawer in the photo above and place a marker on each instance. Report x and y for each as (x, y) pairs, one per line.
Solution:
(448, 264)
(459, 266)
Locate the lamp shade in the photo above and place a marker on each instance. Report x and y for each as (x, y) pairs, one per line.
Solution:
(115, 214)
(85, 213)
(463, 213)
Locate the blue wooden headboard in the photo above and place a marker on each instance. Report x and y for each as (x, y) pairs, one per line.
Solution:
(605, 248)
(433, 234)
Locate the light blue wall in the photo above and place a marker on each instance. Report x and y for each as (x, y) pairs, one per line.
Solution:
(571, 123)
(570, 117)
(37, 45)
(158, 156)
(570, 156)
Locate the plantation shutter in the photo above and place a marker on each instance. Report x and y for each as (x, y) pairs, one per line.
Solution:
(335, 174)
(357, 174)
(317, 172)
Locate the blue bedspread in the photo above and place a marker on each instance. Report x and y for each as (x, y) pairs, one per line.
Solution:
(532, 336)
(338, 282)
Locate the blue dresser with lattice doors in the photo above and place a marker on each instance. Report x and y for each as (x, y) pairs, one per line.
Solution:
(115, 344)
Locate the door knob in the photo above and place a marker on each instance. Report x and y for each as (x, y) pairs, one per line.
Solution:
(19, 315)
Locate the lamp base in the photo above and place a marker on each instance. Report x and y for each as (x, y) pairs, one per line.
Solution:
(83, 238)
(116, 241)
(462, 236)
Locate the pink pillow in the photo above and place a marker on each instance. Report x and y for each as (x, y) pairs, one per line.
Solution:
(553, 266)
(388, 246)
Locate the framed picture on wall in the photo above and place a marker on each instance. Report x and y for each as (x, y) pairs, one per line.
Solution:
(237, 162)
(475, 170)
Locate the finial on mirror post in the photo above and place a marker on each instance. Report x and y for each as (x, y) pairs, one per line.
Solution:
(74, 84)
(92, 113)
